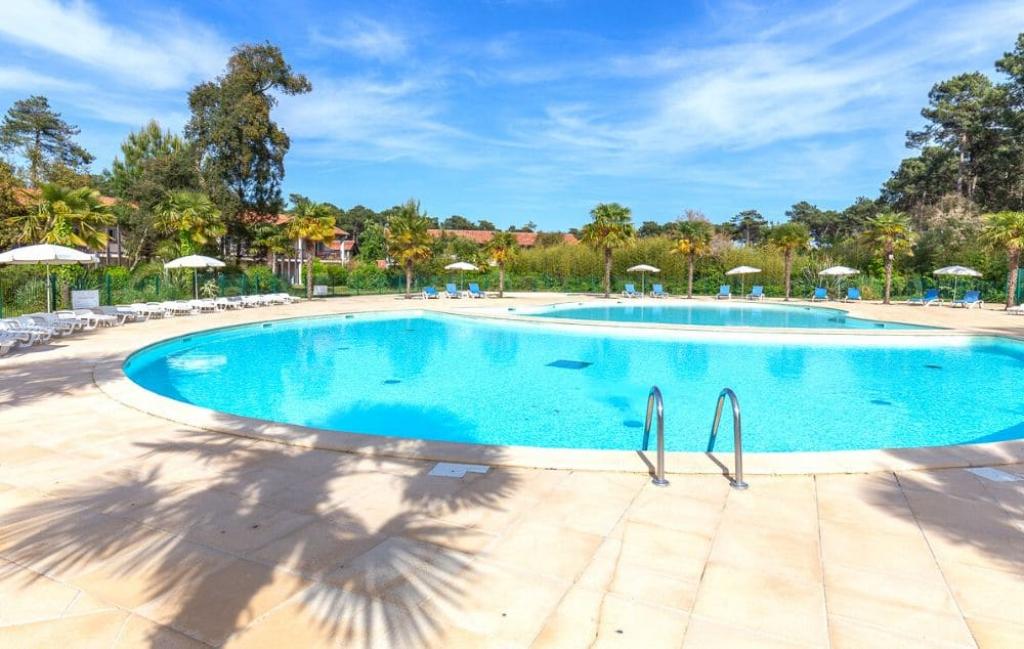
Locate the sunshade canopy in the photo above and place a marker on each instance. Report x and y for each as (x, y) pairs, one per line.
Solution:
(194, 261)
(958, 271)
(643, 268)
(839, 271)
(48, 254)
(460, 265)
(742, 270)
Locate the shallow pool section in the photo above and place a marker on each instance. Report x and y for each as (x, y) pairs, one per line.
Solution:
(717, 314)
(488, 381)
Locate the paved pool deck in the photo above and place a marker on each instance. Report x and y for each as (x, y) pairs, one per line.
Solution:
(119, 528)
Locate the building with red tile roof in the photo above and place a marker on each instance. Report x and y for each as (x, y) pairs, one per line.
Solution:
(482, 237)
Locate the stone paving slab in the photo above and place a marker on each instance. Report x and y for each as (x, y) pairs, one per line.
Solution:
(120, 529)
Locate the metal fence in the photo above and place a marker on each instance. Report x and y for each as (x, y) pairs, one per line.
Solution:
(27, 294)
(24, 291)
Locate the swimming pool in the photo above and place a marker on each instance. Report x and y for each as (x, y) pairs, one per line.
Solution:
(491, 381)
(719, 314)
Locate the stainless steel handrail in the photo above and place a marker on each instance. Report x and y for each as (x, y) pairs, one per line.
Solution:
(654, 400)
(737, 435)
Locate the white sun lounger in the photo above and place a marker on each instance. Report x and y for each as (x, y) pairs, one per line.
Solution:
(203, 306)
(61, 326)
(179, 307)
(110, 316)
(150, 309)
(25, 335)
(57, 326)
(134, 312)
(98, 318)
(29, 324)
(7, 343)
(86, 322)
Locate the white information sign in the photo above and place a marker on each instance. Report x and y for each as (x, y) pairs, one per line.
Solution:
(85, 299)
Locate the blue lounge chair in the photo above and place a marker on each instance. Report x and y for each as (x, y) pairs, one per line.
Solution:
(852, 294)
(820, 294)
(756, 293)
(474, 290)
(724, 292)
(630, 291)
(450, 290)
(931, 296)
(970, 299)
(430, 293)
(658, 291)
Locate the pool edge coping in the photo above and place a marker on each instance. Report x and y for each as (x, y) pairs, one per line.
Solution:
(109, 376)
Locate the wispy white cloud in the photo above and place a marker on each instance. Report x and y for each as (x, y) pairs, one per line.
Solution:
(766, 98)
(371, 120)
(366, 38)
(767, 86)
(164, 53)
(20, 78)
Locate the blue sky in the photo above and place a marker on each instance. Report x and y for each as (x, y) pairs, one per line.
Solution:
(518, 110)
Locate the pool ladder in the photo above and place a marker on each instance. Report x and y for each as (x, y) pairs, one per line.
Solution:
(656, 406)
(737, 436)
(654, 400)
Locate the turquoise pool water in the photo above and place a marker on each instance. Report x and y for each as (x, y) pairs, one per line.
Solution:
(720, 314)
(488, 381)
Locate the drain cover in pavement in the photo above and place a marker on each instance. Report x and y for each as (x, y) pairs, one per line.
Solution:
(450, 470)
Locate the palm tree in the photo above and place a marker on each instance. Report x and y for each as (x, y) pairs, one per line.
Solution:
(192, 216)
(271, 239)
(502, 247)
(408, 239)
(1006, 230)
(68, 217)
(889, 233)
(611, 228)
(789, 237)
(310, 223)
(693, 241)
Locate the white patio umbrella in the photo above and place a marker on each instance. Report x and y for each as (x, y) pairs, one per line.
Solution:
(195, 262)
(839, 272)
(957, 272)
(643, 269)
(461, 266)
(743, 271)
(48, 255)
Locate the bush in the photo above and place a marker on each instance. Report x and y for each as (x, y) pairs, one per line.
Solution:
(30, 296)
(368, 278)
(330, 274)
(261, 278)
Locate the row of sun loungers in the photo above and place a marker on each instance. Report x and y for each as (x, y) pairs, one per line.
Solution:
(451, 291)
(40, 328)
(147, 310)
(930, 297)
(657, 290)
